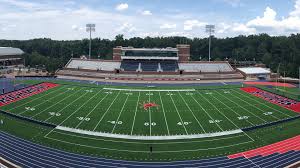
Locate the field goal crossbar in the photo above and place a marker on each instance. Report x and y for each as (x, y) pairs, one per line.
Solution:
(151, 90)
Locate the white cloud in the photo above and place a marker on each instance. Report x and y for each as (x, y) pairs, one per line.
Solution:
(191, 24)
(241, 28)
(296, 11)
(122, 7)
(269, 22)
(126, 28)
(146, 13)
(167, 26)
(75, 27)
(223, 28)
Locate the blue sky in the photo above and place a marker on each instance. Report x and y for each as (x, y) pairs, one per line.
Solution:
(66, 19)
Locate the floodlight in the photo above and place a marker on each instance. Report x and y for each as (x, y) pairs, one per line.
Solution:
(90, 28)
(210, 29)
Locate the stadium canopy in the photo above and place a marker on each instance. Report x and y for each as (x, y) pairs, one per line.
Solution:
(9, 51)
(254, 70)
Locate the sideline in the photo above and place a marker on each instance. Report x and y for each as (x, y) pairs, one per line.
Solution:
(138, 137)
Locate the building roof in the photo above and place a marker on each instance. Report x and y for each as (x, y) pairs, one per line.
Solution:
(254, 70)
(6, 51)
(149, 49)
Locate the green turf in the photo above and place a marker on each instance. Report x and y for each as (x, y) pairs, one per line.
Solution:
(178, 112)
(205, 110)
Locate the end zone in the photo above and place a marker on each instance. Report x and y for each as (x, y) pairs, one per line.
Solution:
(14, 96)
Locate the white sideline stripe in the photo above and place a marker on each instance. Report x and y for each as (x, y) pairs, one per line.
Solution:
(151, 90)
(137, 137)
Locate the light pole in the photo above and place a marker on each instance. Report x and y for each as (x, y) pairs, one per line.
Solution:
(90, 28)
(209, 29)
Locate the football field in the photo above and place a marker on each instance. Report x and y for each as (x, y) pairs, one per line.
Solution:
(148, 112)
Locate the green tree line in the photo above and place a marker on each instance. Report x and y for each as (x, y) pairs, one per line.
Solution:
(272, 51)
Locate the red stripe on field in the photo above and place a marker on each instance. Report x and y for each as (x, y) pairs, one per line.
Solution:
(279, 147)
(270, 84)
(295, 106)
(11, 97)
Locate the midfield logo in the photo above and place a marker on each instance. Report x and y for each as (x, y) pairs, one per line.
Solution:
(148, 105)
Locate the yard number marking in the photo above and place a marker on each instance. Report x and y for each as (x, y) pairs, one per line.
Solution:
(268, 113)
(185, 123)
(30, 108)
(214, 121)
(83, 119)
(115, 122)
(152, 124)
(243, 117)
(54, 114)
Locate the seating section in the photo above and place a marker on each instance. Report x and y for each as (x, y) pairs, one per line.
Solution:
(165, 66)
(151, 66)
(94, 65)
(205, 67)
(169, 66)
(129, 65)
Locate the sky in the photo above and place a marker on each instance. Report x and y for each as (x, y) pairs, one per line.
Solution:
(66, 19)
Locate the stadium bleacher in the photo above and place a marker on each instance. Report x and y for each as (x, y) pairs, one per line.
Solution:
(205, 67)
(151, 66)
(169, 66)
(129, 65)
(93, 65)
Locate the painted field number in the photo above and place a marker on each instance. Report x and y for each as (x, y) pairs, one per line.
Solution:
(243, 117)
(83, 119)
(184, 123)
(152, 124)
(268, 113)
(214, 121)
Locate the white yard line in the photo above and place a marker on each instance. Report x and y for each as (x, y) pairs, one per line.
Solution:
(150, 122)
(56, 103)
(250, 96)
(178, 113)
(151, 90)
(163, 109)
(106, 111)
(191, 112)
(80, 106)
(205, 111)
(141, 137)
(91, 111)
(241, 107)
(35, 99)
(136, 108)
(254, 106)
(231, 109)
(120, 114)
(219, 111)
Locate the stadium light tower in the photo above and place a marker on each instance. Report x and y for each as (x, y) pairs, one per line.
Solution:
(90, 28)
(209, 29)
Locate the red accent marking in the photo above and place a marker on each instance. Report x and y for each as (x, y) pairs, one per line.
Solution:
(270, 84)
(11, 97)
(149, 105)
(295, 106)
(279, 147)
